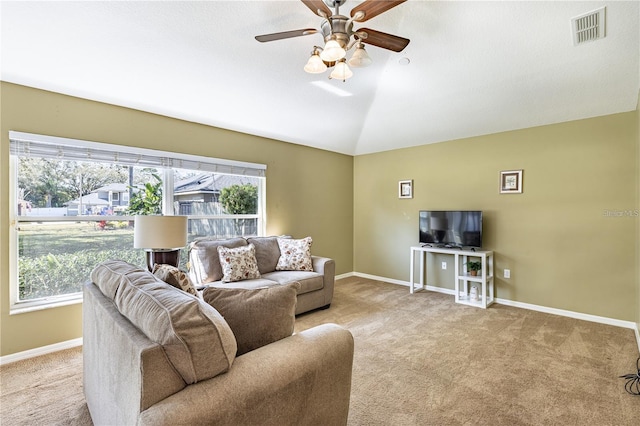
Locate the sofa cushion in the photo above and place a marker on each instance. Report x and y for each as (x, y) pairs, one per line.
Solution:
(257, 317)
(174, 276)
(261, 282)
(203, 258)
(267, 252)
(195, 337)
(238, 263)
(295, 255)
(309, 281)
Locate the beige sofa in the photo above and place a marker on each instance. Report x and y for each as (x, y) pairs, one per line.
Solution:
(156, 355)
(316, 287)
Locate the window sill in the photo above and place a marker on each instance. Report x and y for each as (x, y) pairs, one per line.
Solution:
(42, 304)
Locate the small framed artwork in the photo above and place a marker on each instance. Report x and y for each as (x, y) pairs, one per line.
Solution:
(511, 182)
(405, 189)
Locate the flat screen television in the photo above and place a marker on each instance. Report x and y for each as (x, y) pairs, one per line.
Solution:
(454, 229)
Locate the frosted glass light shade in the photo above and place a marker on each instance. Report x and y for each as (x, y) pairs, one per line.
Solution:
(341, 71)
(332, 51)
(360, 58)
(315, 65)
(160, 232)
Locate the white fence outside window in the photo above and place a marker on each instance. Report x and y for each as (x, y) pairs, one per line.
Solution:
(55, 247)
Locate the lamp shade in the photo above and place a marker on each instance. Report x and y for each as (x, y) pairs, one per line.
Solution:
(360, 57)
(160, 232)
(332, 51)
(315, 65)
(341, 71)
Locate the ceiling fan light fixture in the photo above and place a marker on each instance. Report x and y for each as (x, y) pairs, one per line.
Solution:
(332, 51)
(360, 57)
(315, 65)
(339, 36)
(341, 71)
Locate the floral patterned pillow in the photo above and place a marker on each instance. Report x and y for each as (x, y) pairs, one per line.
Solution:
(238, 263)
(295, 255)
(174, 276)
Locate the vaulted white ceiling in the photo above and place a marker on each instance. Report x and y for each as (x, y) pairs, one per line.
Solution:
(474, 67)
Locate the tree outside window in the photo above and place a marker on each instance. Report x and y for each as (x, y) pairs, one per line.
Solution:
(73, 215)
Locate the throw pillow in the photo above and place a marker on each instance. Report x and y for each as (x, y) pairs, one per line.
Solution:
(174, 276)
(238, 263)
(295, 255)
(204, 263)
(196, 339)
(257, 317)
(267, 253)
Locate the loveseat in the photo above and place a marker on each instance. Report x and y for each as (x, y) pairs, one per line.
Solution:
(316, 282)
(157, 355)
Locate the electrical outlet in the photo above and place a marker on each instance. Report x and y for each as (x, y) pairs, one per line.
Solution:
(444, 265)
(507, 273)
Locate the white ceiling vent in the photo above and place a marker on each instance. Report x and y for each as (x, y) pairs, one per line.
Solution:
(588, 27)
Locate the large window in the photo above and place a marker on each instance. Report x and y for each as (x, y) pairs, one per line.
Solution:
(74, 202)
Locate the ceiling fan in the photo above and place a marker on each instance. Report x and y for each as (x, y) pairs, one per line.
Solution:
(340, 36)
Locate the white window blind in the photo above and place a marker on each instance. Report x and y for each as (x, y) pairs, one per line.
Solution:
(33, 145)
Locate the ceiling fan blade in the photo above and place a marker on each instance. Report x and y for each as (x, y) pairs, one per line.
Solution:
(316, 5)
(285, 34)
(384, 40)
(373, 8)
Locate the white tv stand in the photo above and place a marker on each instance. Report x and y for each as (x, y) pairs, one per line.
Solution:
(462, 277)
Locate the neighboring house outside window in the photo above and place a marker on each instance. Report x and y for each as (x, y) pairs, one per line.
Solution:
(70, 212)
(199, 195)
(100, 201)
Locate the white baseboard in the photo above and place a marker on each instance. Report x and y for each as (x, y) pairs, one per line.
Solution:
(19, 356)
(347, 275)
(404, 283)
(593, 318)
(570, 314)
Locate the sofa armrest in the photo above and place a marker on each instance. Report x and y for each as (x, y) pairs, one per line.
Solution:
(327, 268)
(304, 379)
(123, 371)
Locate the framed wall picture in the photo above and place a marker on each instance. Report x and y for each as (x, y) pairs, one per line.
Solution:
(511, 182)
(405, 189)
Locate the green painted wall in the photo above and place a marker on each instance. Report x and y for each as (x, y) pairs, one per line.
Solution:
(563, 252)
(309, 191)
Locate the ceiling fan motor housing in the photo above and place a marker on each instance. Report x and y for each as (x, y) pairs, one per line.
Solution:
(338, 28)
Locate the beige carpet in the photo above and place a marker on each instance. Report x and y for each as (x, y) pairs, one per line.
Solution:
(46, 390)
(419, 360)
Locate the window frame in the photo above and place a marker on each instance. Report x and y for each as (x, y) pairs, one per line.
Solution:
(17, 306)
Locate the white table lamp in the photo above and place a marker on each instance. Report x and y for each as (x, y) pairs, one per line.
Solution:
(161, 237)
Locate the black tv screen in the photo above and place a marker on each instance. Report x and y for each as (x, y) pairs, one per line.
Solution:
(451, 228)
